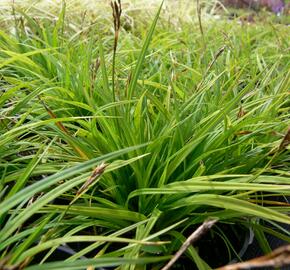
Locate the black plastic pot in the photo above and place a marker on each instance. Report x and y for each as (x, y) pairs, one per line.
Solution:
(248, 250)
(254, 249)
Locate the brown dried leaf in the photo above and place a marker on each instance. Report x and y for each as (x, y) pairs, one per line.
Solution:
(286, 140)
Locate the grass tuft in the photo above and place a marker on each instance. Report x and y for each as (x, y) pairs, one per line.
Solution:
(120, 136)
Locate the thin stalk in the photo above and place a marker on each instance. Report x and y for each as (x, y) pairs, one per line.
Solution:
(117, 11)
(198, 10)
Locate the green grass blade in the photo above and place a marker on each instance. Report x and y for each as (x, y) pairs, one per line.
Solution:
(140, 61)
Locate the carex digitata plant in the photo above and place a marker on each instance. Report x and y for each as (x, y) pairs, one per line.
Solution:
(118, 171)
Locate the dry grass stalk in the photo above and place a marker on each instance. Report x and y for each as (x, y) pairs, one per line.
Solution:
(278, 258)
(216, 56)
(94, 176)
(117, 11)
(97, 172)
(198, 10)
(197, 234)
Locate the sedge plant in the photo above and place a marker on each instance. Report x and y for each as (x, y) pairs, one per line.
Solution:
(183, 133)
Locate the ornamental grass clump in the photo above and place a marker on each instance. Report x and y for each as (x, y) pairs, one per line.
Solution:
(113, 153)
